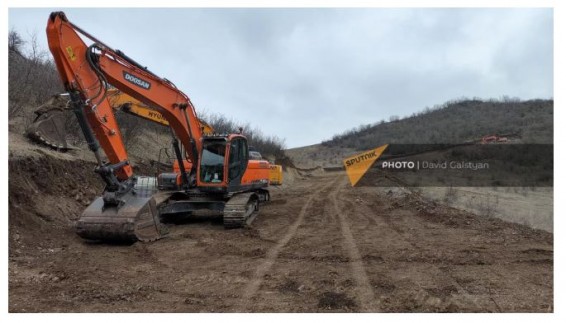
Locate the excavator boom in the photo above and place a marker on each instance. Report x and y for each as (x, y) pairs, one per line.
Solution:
(88, 86)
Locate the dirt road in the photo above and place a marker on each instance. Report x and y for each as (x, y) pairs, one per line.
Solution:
(319, 246)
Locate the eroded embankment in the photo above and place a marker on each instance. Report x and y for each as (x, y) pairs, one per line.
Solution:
(46, 195)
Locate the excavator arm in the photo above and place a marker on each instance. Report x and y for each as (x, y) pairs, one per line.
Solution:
(87, 71)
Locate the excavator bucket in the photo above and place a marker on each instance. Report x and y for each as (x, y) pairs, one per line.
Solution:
(48, 127)
(136, 219)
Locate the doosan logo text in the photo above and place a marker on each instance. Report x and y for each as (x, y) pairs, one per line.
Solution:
(136, 80)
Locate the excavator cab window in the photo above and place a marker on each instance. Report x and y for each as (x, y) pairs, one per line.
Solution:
(238, 160)
(212, 161)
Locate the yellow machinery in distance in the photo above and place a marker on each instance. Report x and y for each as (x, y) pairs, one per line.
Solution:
(275, 174)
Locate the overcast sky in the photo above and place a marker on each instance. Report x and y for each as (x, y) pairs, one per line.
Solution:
(306, 74)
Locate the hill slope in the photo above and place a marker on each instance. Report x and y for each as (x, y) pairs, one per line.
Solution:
(453, 122)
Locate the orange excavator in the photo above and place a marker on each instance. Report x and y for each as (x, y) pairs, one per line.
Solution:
(212, 171)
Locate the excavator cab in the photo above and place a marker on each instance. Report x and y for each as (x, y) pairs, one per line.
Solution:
(212, 161)
(223, 162)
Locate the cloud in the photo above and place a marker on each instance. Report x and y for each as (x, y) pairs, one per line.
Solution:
(306, 74)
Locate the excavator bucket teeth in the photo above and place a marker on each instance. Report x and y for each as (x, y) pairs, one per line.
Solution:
(136, 219)
(49, 129)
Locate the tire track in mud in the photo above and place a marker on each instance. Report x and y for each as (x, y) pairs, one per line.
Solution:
(363, 288)
(253, 286)
(367, 213)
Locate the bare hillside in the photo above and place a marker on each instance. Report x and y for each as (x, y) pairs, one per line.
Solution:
(453, 122)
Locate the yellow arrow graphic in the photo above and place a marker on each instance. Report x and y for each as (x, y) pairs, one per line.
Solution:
(357, 165)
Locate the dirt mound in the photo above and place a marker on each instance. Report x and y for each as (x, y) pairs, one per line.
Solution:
(46, 195)
(293, 174)
(285, 162)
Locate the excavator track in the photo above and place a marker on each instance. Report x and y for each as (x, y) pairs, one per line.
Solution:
(240, 210)
(137, 219)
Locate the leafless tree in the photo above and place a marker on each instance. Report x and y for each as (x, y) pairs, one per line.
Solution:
(31, 76)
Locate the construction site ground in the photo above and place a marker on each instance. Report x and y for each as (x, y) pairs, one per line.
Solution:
(318, 246)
